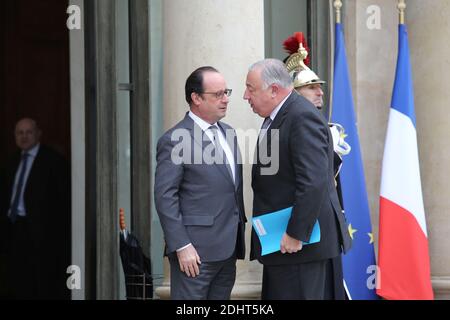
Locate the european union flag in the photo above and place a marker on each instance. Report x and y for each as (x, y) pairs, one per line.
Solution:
(359, 263)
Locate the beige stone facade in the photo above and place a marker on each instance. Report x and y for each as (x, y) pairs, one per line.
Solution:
(230, 35)
(372, 55)
(215, 37)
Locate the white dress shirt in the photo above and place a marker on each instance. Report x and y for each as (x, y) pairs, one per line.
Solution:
(277, 109)
(222, 140)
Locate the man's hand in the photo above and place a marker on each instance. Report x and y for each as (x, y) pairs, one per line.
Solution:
(189, 261)
(289, 244)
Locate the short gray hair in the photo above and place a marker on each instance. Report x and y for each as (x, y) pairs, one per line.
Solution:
(273, 71)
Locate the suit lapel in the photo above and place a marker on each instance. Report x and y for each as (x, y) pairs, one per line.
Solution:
(200, 138)
(281, 115)
(276, 124)
(195, 131)
(35, 170)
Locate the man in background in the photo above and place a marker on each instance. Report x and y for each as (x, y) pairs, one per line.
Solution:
(309, 85)
(35, 218)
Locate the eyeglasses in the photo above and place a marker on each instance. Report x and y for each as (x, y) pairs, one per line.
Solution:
(220, 94)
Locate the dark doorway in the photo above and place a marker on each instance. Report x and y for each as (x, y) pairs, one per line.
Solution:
(34, 71)
(34, 74)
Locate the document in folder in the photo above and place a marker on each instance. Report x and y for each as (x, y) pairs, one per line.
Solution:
(270, 228)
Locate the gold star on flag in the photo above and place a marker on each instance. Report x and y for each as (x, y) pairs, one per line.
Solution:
(351, 230)
(371, 237)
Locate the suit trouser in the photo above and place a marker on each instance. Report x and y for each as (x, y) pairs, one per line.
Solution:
(215, 281)
(335, 275)
(305, 281)
(22, 263)
(35, 270)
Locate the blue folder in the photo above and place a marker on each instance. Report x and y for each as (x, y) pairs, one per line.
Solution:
(270, 228)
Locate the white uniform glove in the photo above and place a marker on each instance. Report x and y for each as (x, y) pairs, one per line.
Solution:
(341, 147)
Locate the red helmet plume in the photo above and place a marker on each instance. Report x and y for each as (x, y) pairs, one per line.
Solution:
(291, 44)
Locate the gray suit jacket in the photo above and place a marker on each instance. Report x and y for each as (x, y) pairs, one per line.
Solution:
(197, 202)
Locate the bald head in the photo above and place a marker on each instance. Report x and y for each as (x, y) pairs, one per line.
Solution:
(27, 134)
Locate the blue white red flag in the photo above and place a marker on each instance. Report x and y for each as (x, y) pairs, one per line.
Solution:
(403, 258)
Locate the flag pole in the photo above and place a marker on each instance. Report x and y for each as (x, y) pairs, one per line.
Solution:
(401, 8)
(337, 4)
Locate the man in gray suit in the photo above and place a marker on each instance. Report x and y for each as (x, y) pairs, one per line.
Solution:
(198, 193)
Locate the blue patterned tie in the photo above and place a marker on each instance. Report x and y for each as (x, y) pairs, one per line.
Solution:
(15, 205)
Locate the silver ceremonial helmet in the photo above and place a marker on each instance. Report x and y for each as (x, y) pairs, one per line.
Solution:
(301, 74)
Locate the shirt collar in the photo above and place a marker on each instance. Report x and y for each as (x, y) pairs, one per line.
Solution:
(200, 122)
(275, 111)
(33, 151)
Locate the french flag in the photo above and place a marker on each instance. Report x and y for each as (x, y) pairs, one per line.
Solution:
(403, 258)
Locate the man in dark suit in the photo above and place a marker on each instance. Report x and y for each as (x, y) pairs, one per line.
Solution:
(309, 85)
(299, 144)
(199, 193)
(35, 218)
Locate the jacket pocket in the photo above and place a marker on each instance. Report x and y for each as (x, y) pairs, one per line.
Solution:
(198, 220)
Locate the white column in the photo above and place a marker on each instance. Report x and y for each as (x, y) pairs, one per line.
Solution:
(78, 144)
(429, 31)
(372, 67)
(228, 35)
